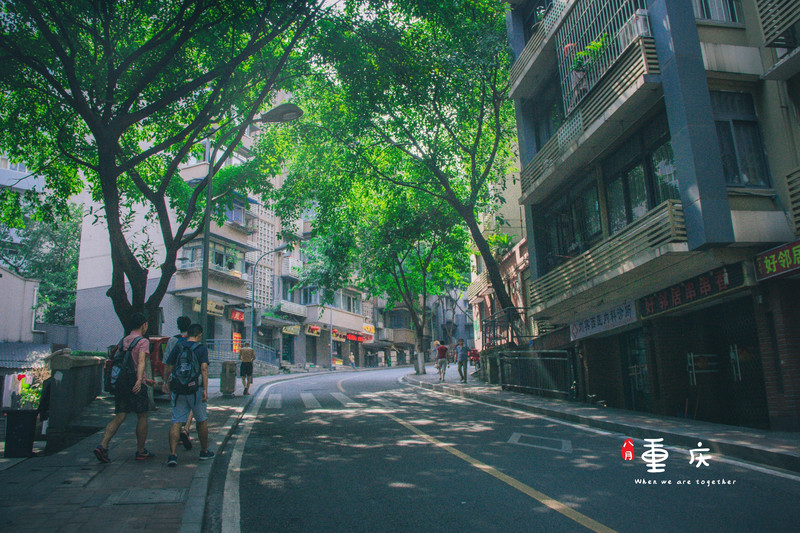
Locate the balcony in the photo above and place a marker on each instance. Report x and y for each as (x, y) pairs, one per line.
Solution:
(291, 267)
(480, 286)
(649, 245)
(629, 86)
(291, 308)
(538, 57)
(793, 184)
(386, 335)
(221, 281)
(777, 18)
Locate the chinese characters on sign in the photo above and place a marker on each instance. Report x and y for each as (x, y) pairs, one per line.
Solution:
(613, 318)
(692, 290)
(237, 316)
(777, 261)
(656, 455)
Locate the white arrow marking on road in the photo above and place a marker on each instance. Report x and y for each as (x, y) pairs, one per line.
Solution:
(309, 400)
(558, 445)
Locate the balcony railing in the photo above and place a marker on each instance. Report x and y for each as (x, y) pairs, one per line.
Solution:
(524, 65)
(623, 83)
(480, 284)
(793, 184)
(214, 268)
(290, 267)
(777, 18)
(663, 225)
(293, 308)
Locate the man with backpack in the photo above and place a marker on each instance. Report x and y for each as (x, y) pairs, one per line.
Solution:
(186, 370)
(130, 388)
(183, 327)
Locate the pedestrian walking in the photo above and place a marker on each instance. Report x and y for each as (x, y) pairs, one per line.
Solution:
(462, 360)
(441, 360)
(246, 355)
(131, 399)
(187, 382)
(183, 324)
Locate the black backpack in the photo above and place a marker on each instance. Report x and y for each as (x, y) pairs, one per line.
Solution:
(185, 377)
(123, 374)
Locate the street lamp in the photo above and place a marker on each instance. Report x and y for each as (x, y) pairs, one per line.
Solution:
(282, 113)
(253, 292)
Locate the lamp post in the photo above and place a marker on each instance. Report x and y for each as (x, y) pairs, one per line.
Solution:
(285, 112)
(253, 292)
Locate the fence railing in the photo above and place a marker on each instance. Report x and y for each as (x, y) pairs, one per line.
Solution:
(505, 327)
(223, 349)
(793, 184)
(545, 373)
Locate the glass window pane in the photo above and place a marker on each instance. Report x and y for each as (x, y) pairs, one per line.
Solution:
(617, 215)
(666, 177)
(637, 189)
(590, 214)
(729, 166)
(752, 163)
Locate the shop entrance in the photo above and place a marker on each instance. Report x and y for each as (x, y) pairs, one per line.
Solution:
(634, 371)
(288, 348)
(733, 336)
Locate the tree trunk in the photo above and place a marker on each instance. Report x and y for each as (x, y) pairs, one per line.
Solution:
(492, 267)
(420, 364)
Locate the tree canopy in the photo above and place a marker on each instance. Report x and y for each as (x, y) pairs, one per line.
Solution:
(119, 95)
(411, 95)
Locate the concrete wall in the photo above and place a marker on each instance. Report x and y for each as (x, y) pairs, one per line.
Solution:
(76, 382)
(16, 313)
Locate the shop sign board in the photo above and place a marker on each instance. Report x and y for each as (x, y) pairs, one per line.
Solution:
(339, 336)
(778, 261)
(613, 318)
(692, 290)
(237, 316)
(369, 328)
(355, 337)
(291, 330)
(237, 342)
(314, 331)
(213, 308)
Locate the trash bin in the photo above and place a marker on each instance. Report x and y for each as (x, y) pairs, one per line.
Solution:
(227, 380)
(20, 432)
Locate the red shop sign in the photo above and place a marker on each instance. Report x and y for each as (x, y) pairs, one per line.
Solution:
(237, 316)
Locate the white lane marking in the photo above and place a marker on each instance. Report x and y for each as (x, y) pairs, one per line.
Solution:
(387, 403)
(274, 401)
(309, 400)
(556, 445)
(344, 400)
(750, 466)
(231, 517)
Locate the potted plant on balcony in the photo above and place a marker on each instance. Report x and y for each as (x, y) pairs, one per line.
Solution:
(582, 62)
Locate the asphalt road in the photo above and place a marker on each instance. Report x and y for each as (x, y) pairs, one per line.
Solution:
(363, 452)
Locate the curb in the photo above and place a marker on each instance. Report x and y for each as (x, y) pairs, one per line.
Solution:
(789, 461)
(194, 509)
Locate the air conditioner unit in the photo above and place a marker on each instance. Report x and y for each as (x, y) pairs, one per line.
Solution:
(636, 26)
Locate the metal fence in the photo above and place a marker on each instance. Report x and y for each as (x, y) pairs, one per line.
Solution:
(223, 349)
(542, 372)
(505, 327)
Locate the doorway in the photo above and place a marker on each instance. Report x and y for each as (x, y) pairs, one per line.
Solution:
(634, 371)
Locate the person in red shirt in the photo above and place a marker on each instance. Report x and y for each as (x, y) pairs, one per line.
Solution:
(441, 360)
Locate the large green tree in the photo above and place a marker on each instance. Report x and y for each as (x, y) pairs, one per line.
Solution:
(47, 251)
(398, 244)
(121, 93)
(413, 95)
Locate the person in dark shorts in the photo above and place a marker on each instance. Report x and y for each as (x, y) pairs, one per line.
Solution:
(135, 400)
(246, 355)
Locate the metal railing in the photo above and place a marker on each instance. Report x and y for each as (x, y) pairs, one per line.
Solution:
(478, 285)
(213, 267)
(505, 327)
(544, 372)
(777, 18)
(223, 350)
(663, 225)
(793, 184)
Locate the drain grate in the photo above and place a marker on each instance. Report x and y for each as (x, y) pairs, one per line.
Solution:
(147, 496)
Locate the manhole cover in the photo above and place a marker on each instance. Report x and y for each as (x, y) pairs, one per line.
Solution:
(147, 496)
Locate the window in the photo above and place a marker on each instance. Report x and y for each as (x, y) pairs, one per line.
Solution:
(573, 226)
(351, 303)
(235, 214)
(640, 175)
(286, 289)
(309, 296)
(743, 161)
(717, 10)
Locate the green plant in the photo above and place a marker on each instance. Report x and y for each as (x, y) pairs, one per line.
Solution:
(500, 243)
(584, 59)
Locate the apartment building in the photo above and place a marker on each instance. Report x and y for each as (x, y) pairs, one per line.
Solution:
(660, 167)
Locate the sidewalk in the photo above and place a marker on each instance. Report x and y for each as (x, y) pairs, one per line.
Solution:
(770, 448)
(71, 491)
